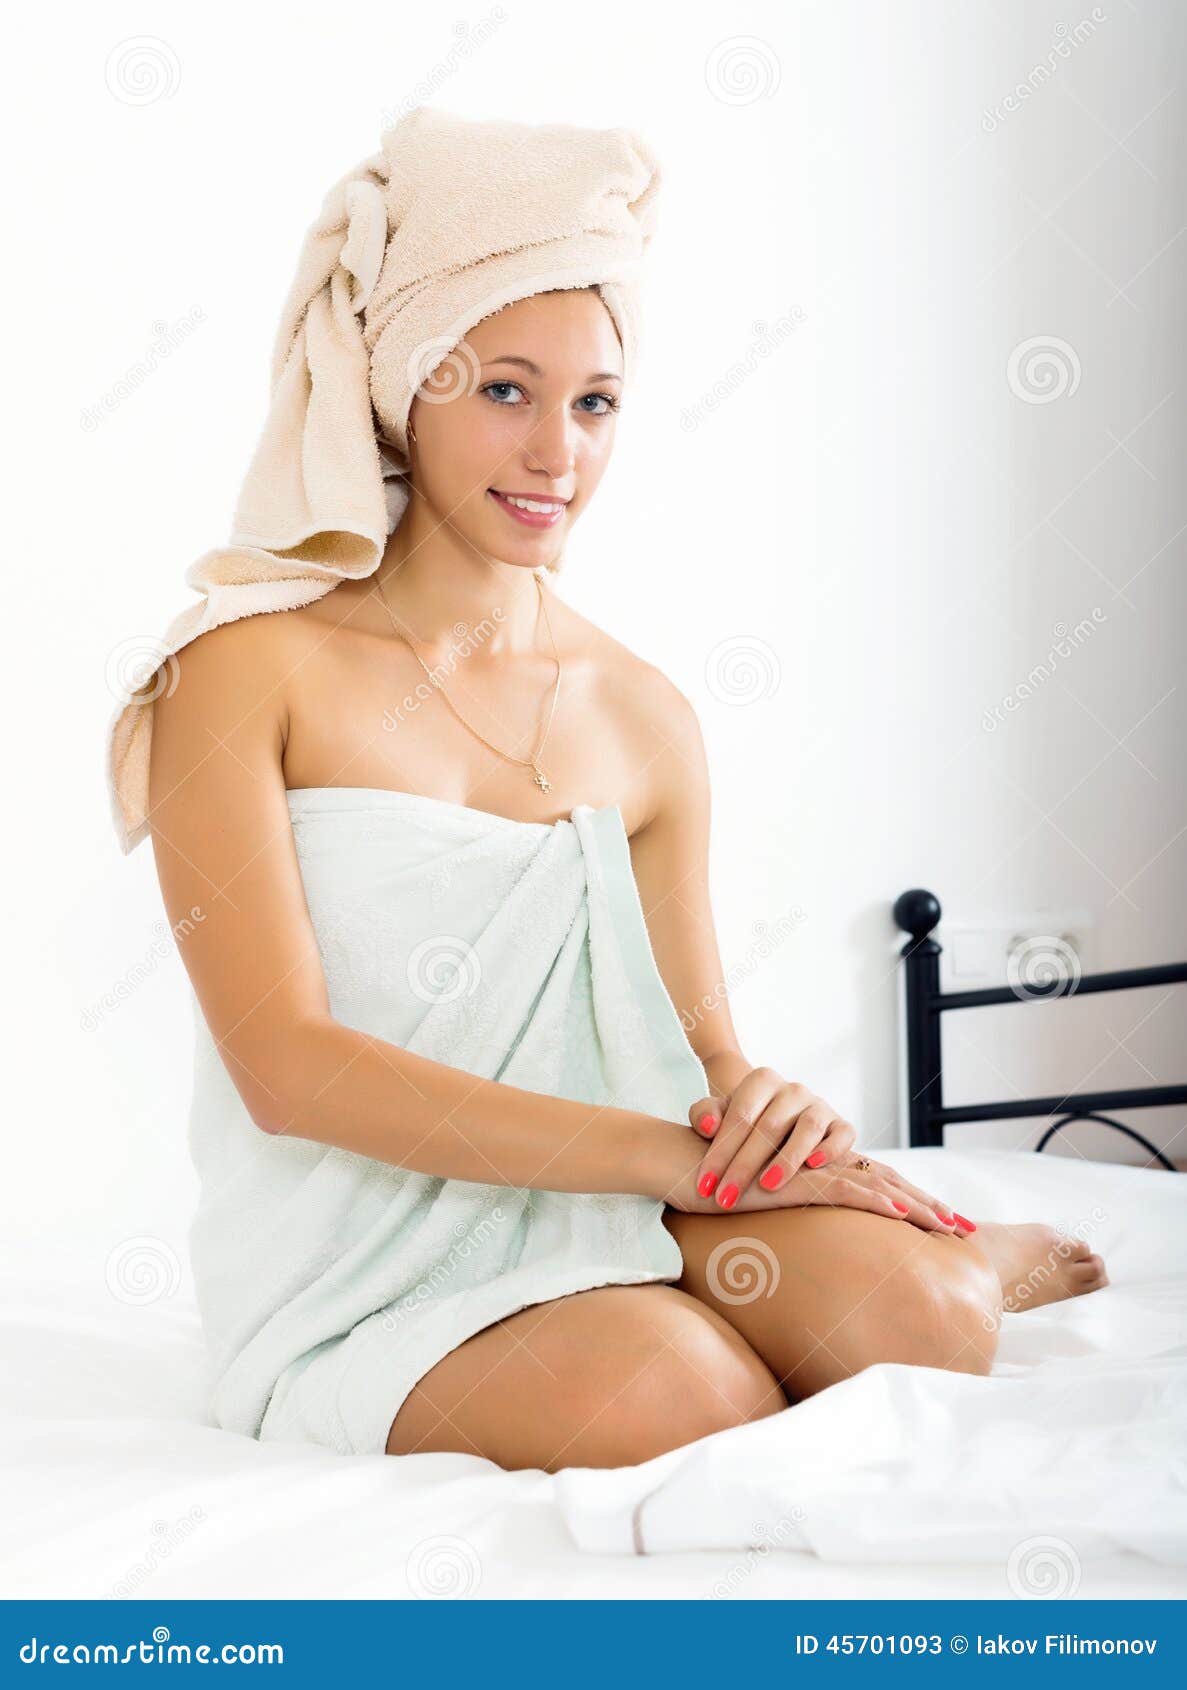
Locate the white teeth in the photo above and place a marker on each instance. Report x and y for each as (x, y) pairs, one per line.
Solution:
(538, 505)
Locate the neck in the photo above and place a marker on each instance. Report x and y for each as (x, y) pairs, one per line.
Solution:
(433, 580)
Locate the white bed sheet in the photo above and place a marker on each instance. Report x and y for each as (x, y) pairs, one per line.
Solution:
(116, 1488)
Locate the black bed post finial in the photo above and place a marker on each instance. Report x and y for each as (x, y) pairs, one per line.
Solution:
(918, 912)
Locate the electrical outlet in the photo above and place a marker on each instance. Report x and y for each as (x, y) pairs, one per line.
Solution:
(1040, 946)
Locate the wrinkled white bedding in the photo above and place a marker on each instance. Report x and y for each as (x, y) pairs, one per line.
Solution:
(1062, 1475)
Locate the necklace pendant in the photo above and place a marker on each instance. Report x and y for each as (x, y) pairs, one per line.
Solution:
(541, 779)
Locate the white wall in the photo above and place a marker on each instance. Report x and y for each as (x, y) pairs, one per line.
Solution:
(847, 558)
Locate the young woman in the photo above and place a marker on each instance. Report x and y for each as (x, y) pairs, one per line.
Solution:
(435, 850)
(854, 1265)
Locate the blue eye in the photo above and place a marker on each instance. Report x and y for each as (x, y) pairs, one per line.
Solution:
(494, 388)
(612, 404)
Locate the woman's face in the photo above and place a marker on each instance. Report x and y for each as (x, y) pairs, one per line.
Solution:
(524, 406)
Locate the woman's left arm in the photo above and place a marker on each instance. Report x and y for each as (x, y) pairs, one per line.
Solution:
(751, 1113)
(670, 857)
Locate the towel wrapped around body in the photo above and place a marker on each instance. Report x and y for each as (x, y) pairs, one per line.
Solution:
(329, 1283)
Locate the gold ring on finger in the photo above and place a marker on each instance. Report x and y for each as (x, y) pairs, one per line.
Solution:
(863, 1163)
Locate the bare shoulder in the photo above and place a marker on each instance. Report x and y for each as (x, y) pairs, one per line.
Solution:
(653, 718)
(228, 683)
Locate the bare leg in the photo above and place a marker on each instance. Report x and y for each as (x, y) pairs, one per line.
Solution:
(616, 1375)
(602, 1378)
(820, 1293)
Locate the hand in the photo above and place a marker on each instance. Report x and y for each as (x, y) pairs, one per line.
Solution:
(921, 1207)
(766, 1123)
(739, 1153)
(877, 1189)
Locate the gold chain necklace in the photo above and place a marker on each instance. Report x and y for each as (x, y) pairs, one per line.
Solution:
(538, 775)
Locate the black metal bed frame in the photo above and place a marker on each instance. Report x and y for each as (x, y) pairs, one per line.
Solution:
(917, 912)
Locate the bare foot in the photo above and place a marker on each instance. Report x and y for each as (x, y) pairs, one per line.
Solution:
(1038, 1265)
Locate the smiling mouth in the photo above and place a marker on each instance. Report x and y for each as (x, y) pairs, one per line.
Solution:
(535, 513)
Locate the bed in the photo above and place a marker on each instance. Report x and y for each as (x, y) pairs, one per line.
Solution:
(116, 1487)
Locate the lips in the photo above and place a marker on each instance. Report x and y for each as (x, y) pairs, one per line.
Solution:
(547, 518)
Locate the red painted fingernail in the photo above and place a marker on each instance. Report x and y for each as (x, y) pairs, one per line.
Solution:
(969, 1226)
(943, 1219)
(728, 1197)
(815, 1159)
(771, 1178)
(707, 1184)
(901, 1207)
(707, 1123)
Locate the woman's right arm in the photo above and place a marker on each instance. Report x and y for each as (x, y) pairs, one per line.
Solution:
(231, 883)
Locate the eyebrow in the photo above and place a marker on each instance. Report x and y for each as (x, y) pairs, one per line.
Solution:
(526, 363)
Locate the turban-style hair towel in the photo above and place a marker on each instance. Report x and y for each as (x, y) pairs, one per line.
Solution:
(451, 220)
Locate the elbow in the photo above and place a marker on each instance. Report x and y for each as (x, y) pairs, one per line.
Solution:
(273, 1085)
(286, 1092)
(271, 1111)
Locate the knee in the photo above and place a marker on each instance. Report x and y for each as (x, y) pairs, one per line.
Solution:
(673, 1376)
(716, 1379)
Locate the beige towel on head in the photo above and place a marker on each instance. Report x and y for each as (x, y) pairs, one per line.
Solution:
(451, 220)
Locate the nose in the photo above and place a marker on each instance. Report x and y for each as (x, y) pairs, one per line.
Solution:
(550, 447)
